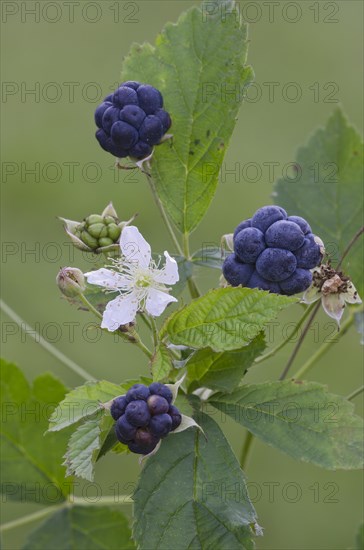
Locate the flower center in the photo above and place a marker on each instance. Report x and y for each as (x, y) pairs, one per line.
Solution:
(143, 279)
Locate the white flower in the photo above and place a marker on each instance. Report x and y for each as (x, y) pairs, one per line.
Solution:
(142, 285)
(334, 290)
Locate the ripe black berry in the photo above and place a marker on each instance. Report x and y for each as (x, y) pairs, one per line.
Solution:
(138, 391)
(176, 417)
(118, 407)
(157, 404)
(137, 413)
(160, 389)
(132, 120)
(160, 425)
(236, 272)
(124, 430)
(273, 252)
(144, 416)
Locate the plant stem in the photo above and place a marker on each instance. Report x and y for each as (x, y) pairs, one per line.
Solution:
(89, 306)
(300, 341)
(43, 513)
(355, 393)
(28, 330)
(289, 337)
(105, 501)
(164, 215)
(145, 319)
(78, 501)
(131, 335)
(138, 342)
(194, 291)
(350, 245)
(245, 453)
(313, 309)
(154, 331)
(322, 350)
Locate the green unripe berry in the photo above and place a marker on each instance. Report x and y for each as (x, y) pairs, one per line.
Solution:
(95, 230)
(94, 218)
(105, 241)
(89, 240)
(114, 231)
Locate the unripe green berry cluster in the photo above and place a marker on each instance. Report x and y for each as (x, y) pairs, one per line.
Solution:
(98, 231)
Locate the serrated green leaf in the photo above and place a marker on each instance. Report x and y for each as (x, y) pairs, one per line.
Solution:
(31, 462)
(222, 371)
(225, 318)
(209, 257)
(84, 446)
(192, 494)
(82, 528)
(83, 402)
(161, 364)
(329, 191)
(301, 419)
(198, 65)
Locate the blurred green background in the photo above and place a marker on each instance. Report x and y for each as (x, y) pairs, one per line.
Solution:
(51, 131)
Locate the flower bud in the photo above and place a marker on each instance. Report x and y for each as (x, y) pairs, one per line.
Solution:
(97, 232)
(71, 281)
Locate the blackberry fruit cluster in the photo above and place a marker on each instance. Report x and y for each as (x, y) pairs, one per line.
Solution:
(273, 251)
(132, 120)
(144, 416)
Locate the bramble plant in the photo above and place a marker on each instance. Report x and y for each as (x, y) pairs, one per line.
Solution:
(198, 354)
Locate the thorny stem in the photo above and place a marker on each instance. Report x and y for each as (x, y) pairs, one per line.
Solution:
(44, 512)
(289, 337)
(322, 350)
(27, 329)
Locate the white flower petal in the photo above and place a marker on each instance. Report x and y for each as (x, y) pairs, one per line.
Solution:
(134, 247)
(169, 273)
(311, 295)
(108, 279)
(334, 305)
(120, 311)
(157, 301)
(351, 296)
